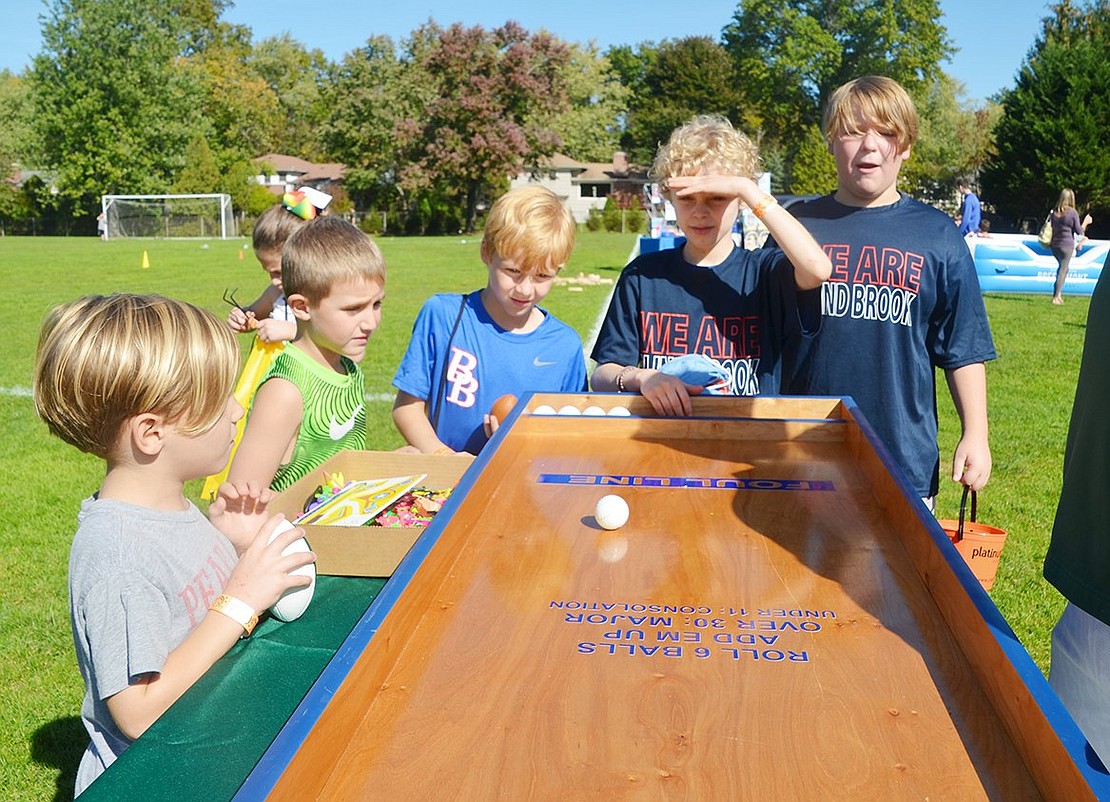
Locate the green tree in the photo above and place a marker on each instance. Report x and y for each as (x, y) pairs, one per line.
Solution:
(113, 110)
(296, 78)
(16, 124)
(1058, 109)
(241, 114)
(200, 173)
(951, 143)
(791, 54)
(814, 167)
(366, 95)
(590, 128)
(671, 83)
(13, 206)
(494, 94)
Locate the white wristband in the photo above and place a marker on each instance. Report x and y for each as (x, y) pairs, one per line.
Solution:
(237, 610)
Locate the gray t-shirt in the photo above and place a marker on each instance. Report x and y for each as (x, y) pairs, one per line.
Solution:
(139, 581)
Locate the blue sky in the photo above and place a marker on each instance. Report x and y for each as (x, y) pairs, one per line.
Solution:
(992, 41)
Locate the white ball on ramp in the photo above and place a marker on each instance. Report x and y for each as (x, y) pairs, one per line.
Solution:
(611, 512)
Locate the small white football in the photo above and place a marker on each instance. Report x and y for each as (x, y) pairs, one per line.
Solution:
(544, 409)
(593, 411)
(292, 604)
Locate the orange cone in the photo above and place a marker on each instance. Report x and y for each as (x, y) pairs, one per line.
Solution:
(240, 256)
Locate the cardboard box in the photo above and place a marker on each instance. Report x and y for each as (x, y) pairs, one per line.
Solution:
(366, 550)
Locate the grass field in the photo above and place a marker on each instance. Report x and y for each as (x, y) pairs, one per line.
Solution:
(1030, 386)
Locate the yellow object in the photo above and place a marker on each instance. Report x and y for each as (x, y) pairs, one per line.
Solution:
(260, 358)
(146, 261)
(238, 611)
(761, 208)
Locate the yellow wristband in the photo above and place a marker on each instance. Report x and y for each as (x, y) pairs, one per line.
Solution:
(763, 205)
(237, 610)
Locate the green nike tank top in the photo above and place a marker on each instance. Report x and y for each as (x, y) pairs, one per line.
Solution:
(334, 412)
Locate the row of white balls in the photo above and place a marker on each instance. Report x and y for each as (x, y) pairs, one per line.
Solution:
(545, 409)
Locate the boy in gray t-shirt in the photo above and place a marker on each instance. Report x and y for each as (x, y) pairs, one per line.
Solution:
(145, 383)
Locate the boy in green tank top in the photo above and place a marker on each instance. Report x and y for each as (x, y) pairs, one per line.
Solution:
(311, 404)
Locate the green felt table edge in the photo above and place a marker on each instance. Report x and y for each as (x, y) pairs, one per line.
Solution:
(207, 743)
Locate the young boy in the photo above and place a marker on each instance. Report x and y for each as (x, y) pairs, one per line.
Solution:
(310, 404)
(467, 351)
(903, 297)
(734, 307)
(157, 591)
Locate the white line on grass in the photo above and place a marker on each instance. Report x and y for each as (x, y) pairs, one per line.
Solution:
(596, 328)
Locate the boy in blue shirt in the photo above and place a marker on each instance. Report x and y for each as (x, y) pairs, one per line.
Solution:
(970, 211)
(735, 308)
(467, 351)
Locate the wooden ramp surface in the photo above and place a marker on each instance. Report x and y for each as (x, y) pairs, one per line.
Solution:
(757, 630)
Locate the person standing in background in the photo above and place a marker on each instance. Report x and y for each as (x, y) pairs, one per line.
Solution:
(1065, 228)
(970, 211)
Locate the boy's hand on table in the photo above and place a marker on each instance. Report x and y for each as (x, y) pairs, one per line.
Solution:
(240, 510)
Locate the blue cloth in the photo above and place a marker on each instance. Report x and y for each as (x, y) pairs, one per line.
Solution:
(903, 299)
(970, 214)
(695, 369)
(739, 313)
(485, 363)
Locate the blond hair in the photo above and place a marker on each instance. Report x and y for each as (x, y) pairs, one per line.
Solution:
(707, 142)
(273, 227)
(531, 225)
(1065, 202)
(324, 251)
(875, 100)
(104, 359)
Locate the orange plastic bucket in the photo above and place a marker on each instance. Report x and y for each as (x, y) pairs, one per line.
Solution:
(980, 545)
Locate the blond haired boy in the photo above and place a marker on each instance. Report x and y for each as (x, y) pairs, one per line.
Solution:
(468, 350)
(157, 591)
(903, 298)
(311, 403)
(731, 309)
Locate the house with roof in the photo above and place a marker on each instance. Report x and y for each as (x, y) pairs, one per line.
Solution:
(583, 186)
(281, 173)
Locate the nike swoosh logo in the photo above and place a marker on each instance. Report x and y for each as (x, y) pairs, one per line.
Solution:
(337, 431)
(539, 363)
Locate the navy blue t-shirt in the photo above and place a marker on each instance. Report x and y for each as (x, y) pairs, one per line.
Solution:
(902, 300)
(739, 312)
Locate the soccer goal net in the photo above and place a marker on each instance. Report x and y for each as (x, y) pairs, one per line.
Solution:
(169, 216)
